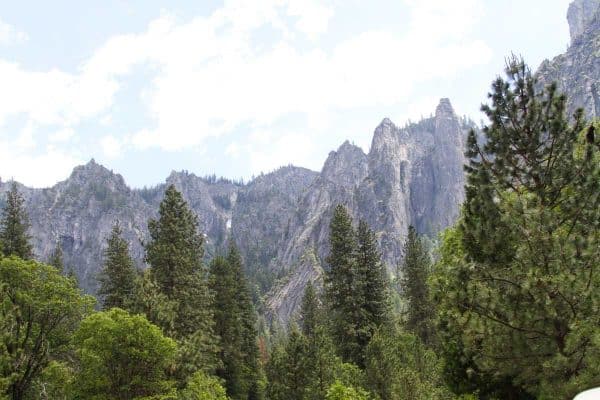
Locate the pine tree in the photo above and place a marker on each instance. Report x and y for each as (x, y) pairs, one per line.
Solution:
(321, 360)
(14, 226)
(235, 323)
(56, 258)
(342, 291)
(175, 254)
(374, 282)
(118, 276)
(288, 373)
(522, 289)
(355, 286)
(415, 271)
(310, 310)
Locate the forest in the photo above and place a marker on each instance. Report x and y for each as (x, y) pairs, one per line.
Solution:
(505, 304)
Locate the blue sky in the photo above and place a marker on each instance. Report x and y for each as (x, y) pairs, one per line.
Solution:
(237, 88)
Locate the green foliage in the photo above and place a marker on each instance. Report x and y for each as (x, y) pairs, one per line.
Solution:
(151, 302)
(175, 256)
(340, 284)
(415, 272)
(355, 286)
(175, 248)
(338, 391)
(122, 356)
(118, 276)
(288, 371)
(400, 367)
(374, 282)
(54, 383)
(202, 387)
(310, 310)
(39, 311)
(522, 289)
(320, 359)
(235, 323)
(14, 226)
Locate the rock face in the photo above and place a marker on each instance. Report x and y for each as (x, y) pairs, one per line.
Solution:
(411, 176)
(280, 221)
(577, 71)
(580, 14)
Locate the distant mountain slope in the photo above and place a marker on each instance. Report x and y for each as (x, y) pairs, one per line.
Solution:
(577, 71)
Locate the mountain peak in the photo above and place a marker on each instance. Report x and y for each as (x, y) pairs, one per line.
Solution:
(444, 108)
(92, 171)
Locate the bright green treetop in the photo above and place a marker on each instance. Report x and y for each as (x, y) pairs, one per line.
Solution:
(39, 311)
(122, 356)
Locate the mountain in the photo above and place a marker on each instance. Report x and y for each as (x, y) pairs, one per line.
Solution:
(577, 71)
(280, 221)
(411, 176)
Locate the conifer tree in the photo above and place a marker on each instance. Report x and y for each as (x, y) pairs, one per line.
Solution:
(118, 276)
(235, 323)
(522, 288)
(56, 258)
(14, 226)
(288, 373)
(175, 252)
(321, 360)
(309, 311)
(355, 285)
(341, 285)
(375, 286)
(415, 271)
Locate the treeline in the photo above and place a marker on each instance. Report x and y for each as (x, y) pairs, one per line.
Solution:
(505, 307)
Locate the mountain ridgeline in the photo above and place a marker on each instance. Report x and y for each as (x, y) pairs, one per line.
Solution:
(412, 175)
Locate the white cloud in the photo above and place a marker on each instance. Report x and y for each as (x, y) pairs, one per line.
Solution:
(9, 35)
(211, 77)
(313, 16)
(62, 135)
(111, 146)
(37, 170)
(289, 148)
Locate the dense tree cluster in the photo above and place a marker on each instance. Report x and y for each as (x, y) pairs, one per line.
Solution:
(507, 306)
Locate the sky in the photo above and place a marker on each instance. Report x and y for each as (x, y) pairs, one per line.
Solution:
(237, 88)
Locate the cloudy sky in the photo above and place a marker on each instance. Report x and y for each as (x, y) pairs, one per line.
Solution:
(239, 87)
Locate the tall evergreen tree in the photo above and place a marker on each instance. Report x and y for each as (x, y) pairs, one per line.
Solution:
(288, 373)
(118, 276)
(175, 254)
(523, 291)
(56, 258)
(375, 285)
(343, 293)
(415, 271)
(321, 360)
(310, 310)
(355, 286)
(235, 323)
(14, 226)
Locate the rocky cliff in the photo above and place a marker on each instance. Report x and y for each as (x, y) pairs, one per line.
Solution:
(411, 175)
(577, 71)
